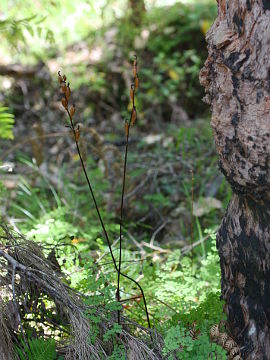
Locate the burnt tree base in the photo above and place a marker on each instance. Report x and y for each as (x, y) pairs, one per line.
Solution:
(236, 77)
(243, 242)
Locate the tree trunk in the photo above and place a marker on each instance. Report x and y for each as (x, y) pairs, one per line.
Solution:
(137, 11)
(236, 76)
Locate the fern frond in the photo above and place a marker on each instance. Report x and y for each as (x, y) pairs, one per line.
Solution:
(6, 123)
(38, 349)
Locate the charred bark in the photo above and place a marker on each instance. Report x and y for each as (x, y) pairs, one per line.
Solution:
(236, 76)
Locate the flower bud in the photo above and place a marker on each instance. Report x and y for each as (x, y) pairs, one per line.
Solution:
(133, 116)
(63, 88)
(72, 110)
(64, 102)
(132, 93)
(68, 92)
(126, 128)
(77, 134)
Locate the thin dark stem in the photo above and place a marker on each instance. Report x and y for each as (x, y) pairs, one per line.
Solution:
(121, 215)
(101, 221)
(121, 221)
(192, 219)
(76, 134)
(122, 202)
(91, 191)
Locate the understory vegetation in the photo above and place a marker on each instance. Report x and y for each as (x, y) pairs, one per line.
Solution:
(174, 194)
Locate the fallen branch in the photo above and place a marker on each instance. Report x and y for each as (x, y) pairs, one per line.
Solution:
(19, 70)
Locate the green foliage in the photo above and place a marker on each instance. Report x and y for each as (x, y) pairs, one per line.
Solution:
(198, 320)
(183, 283)
(6, 123)
(189, 338)
(100, 288)
(171, 77)
(118, 353)
(179, 343)
(157, 199)
(38, 203)
(178, 295)
(115, 330)
(60, 229)
(189, 16)
(199, 295)
(12, 30)
(176, 42)
(179, 290)
(171, 50)
(15, 31)
(37, 349)
(59, 25)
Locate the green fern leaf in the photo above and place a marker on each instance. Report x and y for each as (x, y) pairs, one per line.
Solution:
(6, 123)
(38, 349)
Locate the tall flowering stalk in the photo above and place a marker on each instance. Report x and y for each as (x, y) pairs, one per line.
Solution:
(70, 110)
(128, 123)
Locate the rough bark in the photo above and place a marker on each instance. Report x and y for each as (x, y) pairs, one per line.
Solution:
(236, 77)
